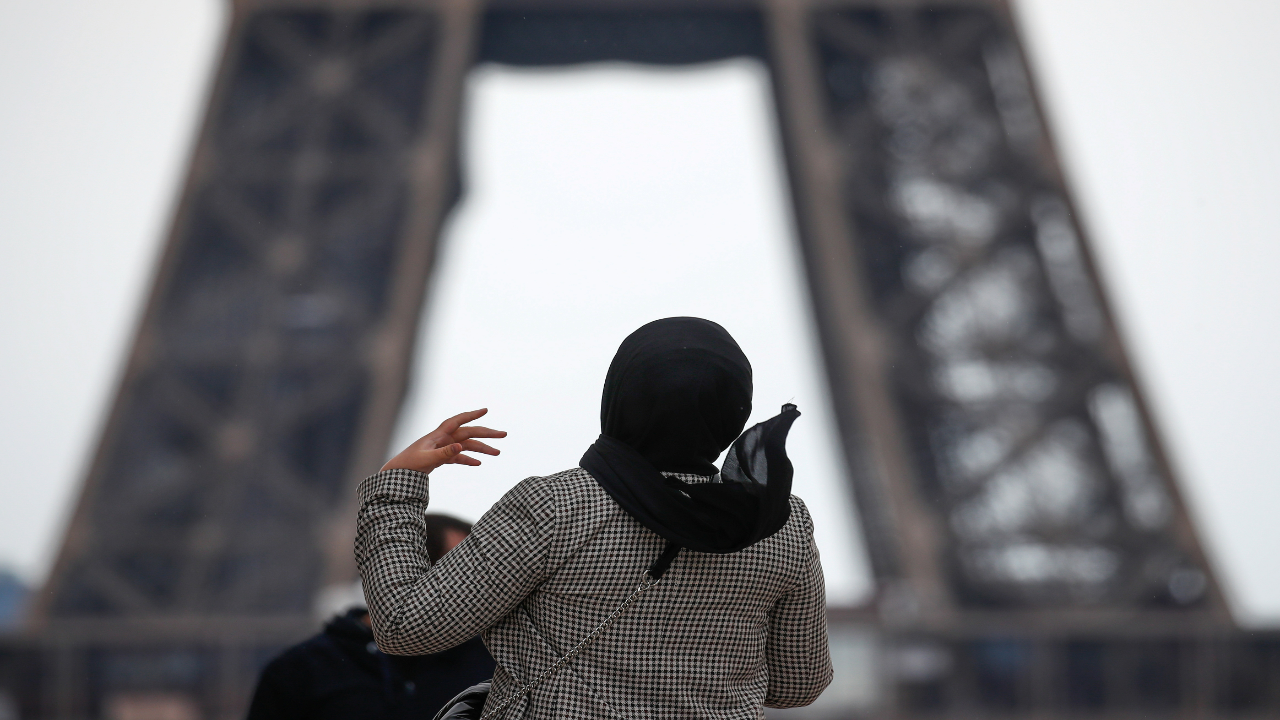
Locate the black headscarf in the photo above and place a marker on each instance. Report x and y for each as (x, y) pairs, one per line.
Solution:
(677, 394)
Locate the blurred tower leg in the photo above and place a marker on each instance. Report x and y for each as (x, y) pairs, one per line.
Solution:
(270, 362)
(1032, 552)
(1005, 459)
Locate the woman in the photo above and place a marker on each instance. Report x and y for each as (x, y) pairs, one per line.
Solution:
(738, 619)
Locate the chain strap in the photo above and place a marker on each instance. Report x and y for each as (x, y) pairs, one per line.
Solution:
(646, 582)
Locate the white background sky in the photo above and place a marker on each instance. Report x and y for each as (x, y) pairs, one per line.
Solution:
(1165, 111)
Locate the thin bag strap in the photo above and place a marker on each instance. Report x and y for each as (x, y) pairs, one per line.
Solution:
(648, 579)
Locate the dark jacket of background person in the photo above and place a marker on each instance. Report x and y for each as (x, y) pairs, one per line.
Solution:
(341, 675)
(719, 637)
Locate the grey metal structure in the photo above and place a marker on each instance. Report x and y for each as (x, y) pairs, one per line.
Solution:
(1004, 456)
(271, 359)
(1025, 528)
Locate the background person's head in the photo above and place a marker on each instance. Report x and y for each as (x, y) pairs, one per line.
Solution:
(444, 532)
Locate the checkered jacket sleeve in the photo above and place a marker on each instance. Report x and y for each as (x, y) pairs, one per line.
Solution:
(419, 609)
(797, 653)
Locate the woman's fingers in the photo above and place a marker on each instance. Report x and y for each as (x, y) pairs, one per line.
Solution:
(475, 431)
(432, 459)
(477, 446)
(424, 459)
(451, 425)
(464, 460)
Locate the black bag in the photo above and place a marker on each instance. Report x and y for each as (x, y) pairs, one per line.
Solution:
(469, 704)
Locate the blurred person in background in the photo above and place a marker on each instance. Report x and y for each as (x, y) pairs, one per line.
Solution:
(340, 674)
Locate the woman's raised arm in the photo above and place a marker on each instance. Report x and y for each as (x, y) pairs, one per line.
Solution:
(419, 608)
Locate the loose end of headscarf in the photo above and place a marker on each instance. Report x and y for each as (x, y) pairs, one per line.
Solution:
(757, 461)
(764, 444)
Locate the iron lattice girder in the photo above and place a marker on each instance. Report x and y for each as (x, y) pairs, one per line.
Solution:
(1003, 458)
(230, 449)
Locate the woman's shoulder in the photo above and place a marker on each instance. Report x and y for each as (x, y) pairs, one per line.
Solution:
(800, 516)
(790, 544)
(565, 492)
(570, 506)
(785, 553)
(568, 483)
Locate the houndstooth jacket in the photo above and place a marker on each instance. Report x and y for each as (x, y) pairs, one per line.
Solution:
(720, 637)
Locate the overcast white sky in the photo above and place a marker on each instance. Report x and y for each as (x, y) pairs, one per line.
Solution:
(1165, 111)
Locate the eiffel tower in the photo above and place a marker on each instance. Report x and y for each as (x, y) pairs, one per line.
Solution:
(1031, 552)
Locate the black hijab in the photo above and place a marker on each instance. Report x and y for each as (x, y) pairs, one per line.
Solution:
(677, 394)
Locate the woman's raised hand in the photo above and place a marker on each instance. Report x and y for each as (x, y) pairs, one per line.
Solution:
(446, 444)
